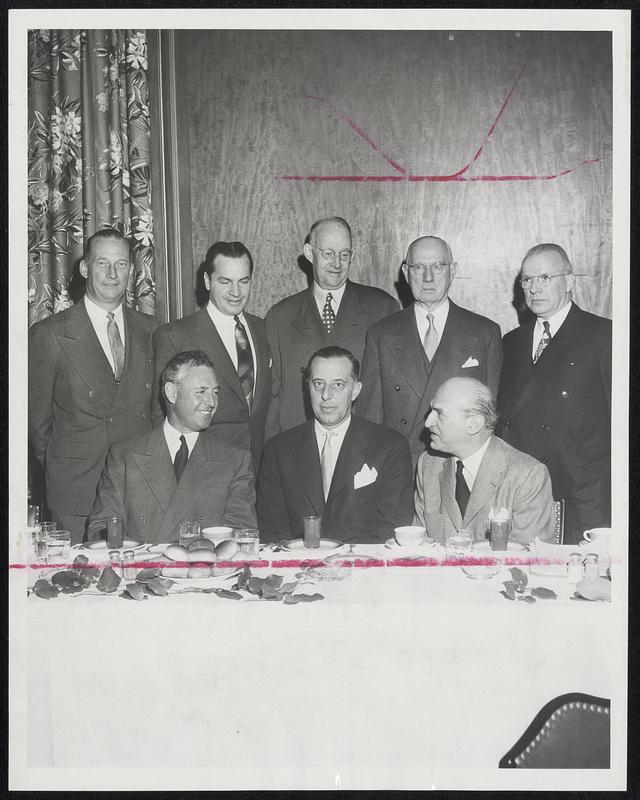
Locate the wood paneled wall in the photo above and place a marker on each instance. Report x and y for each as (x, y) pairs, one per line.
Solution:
(403, 105)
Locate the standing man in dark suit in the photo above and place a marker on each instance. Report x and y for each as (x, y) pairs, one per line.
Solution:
(555, 391)
(332, 311)
(90, 380)
(354, 474)
(234, 340)
(174, 473)
(409, 355)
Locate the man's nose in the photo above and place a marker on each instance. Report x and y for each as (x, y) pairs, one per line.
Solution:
(326, 393)
(111, 271)
(427, 422)
(427, 274)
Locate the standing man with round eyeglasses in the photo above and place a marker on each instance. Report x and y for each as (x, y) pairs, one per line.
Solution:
(332, 311)
(410, 354)
(555, 390)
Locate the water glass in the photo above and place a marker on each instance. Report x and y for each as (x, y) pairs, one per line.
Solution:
(499, 531)
(188, 532)
(115, 536)
(58, 546)
(459, 546)
(312, 531)
(247, 540)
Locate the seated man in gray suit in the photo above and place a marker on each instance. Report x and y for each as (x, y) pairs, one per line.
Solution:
(171, 474)
(355, 474)
(481, 471)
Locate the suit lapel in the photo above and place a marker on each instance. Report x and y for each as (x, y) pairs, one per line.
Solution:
(134, 355)
(308, 322)
(490, 475)
(350, 459)
(407, 349)
(262, 355)
(212, 343)
(349, 319)
(309, 468)
(447, 492)
(154, 463)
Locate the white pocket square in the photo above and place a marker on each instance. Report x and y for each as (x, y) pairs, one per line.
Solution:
(471, 362)
(366, 476)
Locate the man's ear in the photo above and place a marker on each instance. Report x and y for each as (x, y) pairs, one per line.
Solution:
(308, 252)
(170, 391)
(475, 423)
(83, 269)
(207, 281)
(453, 269)
(357, 388)
(405, 272)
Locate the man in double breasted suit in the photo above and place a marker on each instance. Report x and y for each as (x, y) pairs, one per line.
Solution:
(90, 381)
(555, 391)
(355, 474)
(410, 354)
(234, 340)
(332, 311)
(175, 472)
(481, 473)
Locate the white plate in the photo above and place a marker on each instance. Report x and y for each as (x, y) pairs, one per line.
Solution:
(101, 544)
(512, 551)
(410, 551)
(326, 545)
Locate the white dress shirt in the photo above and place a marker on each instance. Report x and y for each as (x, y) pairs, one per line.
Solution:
(336, 440)
(226, 327)
(554, 323)
(98, 317)
(440, 315)
(471, 464)
(172, 438)
(320, 296)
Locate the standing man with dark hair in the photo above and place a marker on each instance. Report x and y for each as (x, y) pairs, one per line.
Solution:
(555, 390)
(332, 311)
(354, 474)
(234, 340)
(409, 355)
(90, 380)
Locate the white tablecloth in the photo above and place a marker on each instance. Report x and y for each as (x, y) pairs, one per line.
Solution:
(402, 677)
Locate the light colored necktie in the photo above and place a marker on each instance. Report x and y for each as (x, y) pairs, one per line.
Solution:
(328, 314)
(245, 361)
(430, 342)
(546, 338)
(326, 462)
(115, 343)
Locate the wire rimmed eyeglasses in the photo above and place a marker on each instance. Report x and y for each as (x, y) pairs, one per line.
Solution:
(329, 255)
(542, 280)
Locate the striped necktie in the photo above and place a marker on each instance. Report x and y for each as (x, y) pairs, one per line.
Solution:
(546, 338)
(115, 343)
(245, 361)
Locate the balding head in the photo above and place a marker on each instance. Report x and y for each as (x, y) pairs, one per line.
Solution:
(548, 264)
(329, 250)
(462, 417)
(429, 269)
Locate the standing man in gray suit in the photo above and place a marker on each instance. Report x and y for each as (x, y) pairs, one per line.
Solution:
(410, 354)
(234, 340)
(332, 311)
(90, 380)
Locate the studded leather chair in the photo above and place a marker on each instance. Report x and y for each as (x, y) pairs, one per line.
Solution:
(571, 732)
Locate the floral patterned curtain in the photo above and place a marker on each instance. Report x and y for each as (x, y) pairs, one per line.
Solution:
(89, 160)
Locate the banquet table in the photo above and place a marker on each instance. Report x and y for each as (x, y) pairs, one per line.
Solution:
(406, 675)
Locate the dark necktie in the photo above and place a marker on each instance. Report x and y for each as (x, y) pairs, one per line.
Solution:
(182, 456)
(546, 338)
(115, 343)
(245, 361)
(328, 315)
(462, 490)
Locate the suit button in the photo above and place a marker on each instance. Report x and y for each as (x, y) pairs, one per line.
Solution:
(397, 388)
(144, 416)
(564, 394)
(147, 385)
(545, 428)
(507, 425)
(109, 419)
(90, 392)
(403, 421)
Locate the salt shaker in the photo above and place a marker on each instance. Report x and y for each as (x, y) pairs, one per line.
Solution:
(574, 568)
(115, 562)
(128, 570)
(591, 566)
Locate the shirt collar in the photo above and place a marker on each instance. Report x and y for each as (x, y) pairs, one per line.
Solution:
(555, 321)
(321, 294)
(96, 312)
(439, 314)
(340, 430)
(219, 319)
(172, 436)
(472, 463)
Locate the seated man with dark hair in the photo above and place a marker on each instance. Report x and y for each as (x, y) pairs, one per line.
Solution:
(171, 474)
(353, 473)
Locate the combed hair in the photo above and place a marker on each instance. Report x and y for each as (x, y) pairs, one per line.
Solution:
(333, 351)
(554, 248)
(483, 403)
(106, 233)
(192, 358)
(318, 222)
(228, 249)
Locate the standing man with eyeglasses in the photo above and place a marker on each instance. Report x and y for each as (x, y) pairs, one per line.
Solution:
(332, 311)
(555, 390)
(410, 354)
(234, 340)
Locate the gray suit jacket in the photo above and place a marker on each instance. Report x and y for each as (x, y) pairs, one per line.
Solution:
(506, 478)
(397, 382)
(138, 485)
(76, 408)
(197, 332)
(295, 332)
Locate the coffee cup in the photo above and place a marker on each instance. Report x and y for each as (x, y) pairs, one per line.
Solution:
(410, 535)
(597, 534)
(217, 533)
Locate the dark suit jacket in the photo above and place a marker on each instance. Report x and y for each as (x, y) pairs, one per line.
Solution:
(197, 332)
(397, 383)
(139, 486)
(290, 485)
(295, 332)
(76, 408)
(559, 411)
(506, 478)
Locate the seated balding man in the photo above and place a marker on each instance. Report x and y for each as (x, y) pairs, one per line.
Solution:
(172, 474)
(480, 472)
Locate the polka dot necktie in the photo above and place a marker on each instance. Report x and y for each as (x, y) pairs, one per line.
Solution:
(328, 315)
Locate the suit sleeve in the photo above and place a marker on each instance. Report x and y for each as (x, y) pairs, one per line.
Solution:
(43, 357)
(273, 516)
(110, 500)
(418, 497)
(272, 424)
(163, 351)
(240, 510)
(494, 359)
(532, 512)
(395, 504)
(369, 403)
(605, 368)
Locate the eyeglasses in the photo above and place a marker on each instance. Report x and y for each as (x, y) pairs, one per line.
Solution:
(329, 255)
(438, 267)
(543, 280)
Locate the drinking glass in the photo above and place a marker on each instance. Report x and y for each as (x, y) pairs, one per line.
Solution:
(459, 545)
(312, 531)
(58, 546)
(499, 531)
(114, 532)
(247, 540)
(188, 532)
